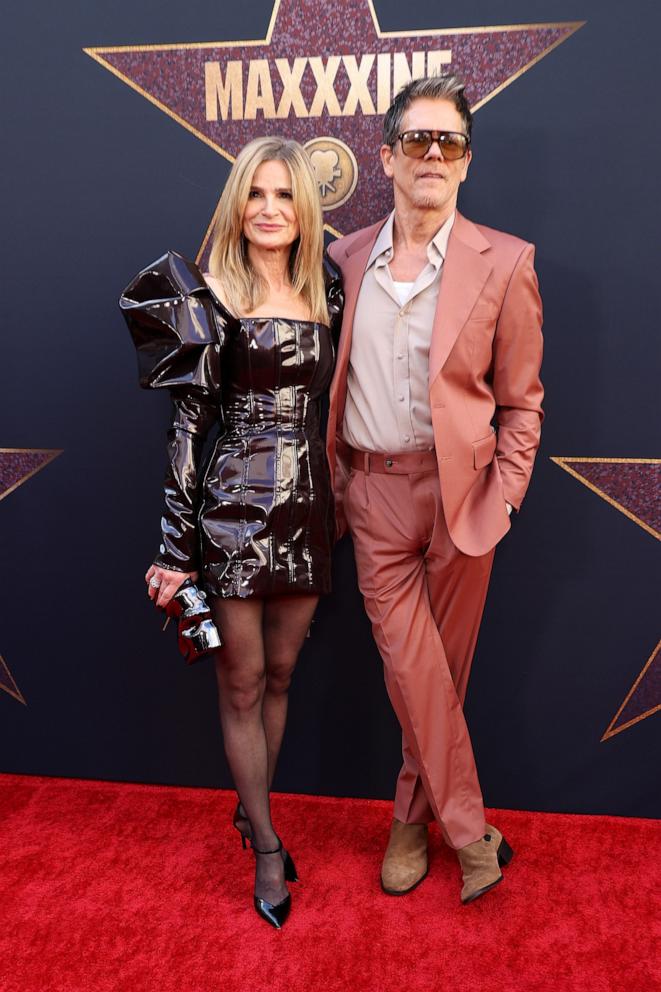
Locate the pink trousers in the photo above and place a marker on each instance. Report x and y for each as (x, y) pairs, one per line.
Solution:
(425, 600)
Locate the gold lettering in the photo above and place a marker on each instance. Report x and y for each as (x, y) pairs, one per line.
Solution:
(226, 94)
(325, 95)
(403, 73)
(359, 94)
(259, 92)
(291, 88)
(382, 83)
(435, 60)
(223, 94)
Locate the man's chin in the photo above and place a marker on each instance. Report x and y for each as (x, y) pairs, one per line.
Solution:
(429, 201)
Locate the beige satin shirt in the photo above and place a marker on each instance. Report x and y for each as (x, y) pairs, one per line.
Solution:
(387, 407)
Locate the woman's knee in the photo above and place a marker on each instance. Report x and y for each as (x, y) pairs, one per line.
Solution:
(279, 673)
(242, 690)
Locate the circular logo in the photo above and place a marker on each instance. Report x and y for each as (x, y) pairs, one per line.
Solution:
(335, 168)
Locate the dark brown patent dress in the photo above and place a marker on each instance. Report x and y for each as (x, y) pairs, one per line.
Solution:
(255, 516)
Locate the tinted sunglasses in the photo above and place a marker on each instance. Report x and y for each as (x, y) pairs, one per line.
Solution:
(416, 144)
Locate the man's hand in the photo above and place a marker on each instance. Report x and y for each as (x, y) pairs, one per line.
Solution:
(168, 583)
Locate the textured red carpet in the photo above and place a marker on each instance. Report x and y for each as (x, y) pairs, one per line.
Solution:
(109, 887)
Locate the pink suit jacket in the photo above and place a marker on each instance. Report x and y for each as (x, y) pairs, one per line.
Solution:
(484, 361)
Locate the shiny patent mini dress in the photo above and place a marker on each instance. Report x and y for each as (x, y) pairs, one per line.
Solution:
(254, 515)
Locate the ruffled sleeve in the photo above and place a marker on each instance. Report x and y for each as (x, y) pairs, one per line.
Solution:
(178, 333)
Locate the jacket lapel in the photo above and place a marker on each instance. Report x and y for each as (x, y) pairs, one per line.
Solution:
(465, 271)
(353, 269)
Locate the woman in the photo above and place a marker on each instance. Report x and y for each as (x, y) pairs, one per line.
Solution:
(248, 346)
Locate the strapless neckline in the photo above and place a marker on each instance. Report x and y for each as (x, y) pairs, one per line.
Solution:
(284, 320)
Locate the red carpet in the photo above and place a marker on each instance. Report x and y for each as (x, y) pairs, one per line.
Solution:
(108, 887)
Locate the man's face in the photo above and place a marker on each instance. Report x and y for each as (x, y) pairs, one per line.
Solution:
(432, 182)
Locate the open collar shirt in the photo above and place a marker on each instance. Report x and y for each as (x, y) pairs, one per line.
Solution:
(387, 407)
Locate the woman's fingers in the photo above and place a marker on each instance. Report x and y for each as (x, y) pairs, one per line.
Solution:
(167, 583)
(153, 587)
(168, 589)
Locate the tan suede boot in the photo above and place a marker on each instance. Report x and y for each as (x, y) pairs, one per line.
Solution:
(481, 862)
(405, 863)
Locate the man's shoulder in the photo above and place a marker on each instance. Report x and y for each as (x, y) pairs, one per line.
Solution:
(502, 241)
(342, 247)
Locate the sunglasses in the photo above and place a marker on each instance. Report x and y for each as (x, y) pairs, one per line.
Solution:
(416, 144)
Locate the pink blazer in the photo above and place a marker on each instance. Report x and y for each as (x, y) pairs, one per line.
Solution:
(484, 361)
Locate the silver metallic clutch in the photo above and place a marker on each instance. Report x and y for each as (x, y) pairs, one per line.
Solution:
(197, 631)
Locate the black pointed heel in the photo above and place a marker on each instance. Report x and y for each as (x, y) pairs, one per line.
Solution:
(505, 853)
(273, 913)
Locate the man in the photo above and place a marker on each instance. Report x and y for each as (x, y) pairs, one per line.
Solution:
(440, 341)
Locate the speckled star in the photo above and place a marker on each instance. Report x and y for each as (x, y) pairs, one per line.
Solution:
(632, 486)
(323, 70)
(7, 683)
(17, 465)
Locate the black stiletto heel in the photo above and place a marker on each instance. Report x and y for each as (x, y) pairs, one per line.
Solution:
(273, 913)
(235, 822)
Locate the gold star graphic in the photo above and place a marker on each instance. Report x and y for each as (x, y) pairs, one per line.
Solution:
(632, 486)
(17, 465)
(321, 76)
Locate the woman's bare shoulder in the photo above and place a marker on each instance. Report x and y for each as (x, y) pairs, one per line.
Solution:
(215, 285)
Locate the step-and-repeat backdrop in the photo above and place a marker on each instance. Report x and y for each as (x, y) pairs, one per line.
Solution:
(120, 126)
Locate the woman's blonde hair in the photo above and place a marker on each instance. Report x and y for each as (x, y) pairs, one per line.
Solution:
(244, 289)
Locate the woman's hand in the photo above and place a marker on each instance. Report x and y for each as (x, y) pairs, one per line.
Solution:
(168, 583)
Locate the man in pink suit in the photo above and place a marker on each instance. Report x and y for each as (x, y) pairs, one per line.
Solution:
(435, 415)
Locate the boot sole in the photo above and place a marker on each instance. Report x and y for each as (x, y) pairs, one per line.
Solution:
(403, 892)
(480, 892)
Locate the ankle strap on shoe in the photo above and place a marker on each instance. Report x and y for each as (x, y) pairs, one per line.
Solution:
(257, 850)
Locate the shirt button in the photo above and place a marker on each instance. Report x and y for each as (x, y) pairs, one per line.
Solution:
(407, 438)
(401, 399)
(400, 357)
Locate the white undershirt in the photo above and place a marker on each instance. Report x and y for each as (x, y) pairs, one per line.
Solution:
(403, 290)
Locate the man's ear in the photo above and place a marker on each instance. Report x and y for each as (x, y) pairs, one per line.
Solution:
(386, 153)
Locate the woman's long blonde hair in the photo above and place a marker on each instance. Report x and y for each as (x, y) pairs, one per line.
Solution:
(244, 289)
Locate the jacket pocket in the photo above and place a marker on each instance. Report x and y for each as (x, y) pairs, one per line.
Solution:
(484, 450)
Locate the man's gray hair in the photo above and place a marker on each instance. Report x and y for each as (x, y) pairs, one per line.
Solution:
(443, 87)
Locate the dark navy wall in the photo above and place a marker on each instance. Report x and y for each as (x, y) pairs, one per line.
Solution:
(98, 183)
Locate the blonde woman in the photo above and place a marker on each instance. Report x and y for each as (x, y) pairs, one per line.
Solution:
(247, 347)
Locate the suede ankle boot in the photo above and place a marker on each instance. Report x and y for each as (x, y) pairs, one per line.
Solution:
(405, 863)
(481, 862)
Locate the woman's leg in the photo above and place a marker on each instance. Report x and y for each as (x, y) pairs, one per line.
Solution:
(286, 622)
(241, 674)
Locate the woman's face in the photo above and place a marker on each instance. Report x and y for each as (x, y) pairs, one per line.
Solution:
(269, 220)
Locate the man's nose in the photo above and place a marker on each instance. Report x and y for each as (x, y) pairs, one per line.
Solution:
(434, 150)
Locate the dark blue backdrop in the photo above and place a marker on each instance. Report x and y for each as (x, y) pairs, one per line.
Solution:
(101, 182)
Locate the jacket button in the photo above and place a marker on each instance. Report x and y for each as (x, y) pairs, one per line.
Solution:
(388, 462)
